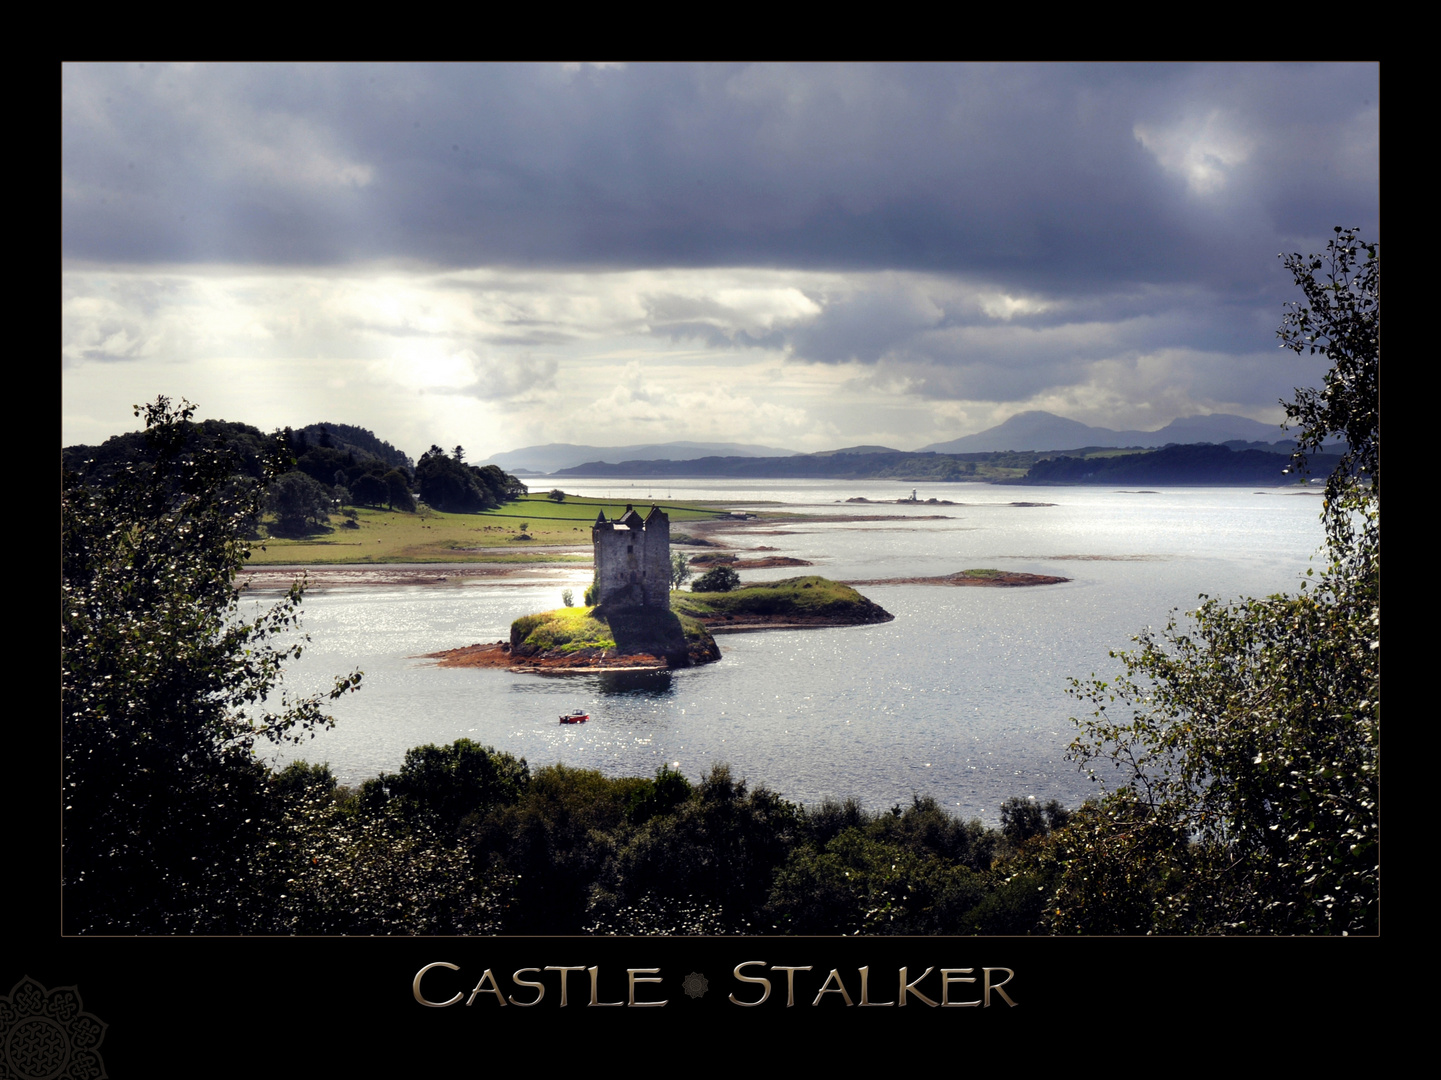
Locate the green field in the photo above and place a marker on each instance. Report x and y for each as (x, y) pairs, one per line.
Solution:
(494, 536)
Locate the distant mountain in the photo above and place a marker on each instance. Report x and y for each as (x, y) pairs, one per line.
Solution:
(1217, 428)
(1037, 430)
(552, 457)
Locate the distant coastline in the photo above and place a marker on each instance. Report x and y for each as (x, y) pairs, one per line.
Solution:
(1190, 464)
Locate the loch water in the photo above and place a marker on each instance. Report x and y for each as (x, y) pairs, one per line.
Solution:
(962, 697)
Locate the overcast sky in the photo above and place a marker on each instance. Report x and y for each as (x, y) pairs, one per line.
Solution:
(801, 256)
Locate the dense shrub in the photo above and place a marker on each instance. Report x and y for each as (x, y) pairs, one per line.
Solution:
(721, 579)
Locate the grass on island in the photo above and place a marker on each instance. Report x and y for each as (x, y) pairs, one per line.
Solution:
(493, 536)
(568, 630)
(810, 595)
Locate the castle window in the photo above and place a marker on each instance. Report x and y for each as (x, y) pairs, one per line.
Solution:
(629, 548)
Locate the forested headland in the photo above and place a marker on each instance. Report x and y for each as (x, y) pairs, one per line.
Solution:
(305, 475)
(1241, 742)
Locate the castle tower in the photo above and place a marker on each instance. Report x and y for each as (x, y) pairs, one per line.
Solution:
(632, 560)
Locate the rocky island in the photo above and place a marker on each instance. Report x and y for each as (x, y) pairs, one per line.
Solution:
(637, 622)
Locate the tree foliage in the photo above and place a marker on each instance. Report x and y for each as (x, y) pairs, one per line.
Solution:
(680, 571)
(711, 854)
(1341, 320)
(1248, 743)
(1249, 749)
(449, 783)
(368, 490)
(451, 486)
(721, 579)
(335, 866)
(168, 686)
(397, 491)
(300, 505)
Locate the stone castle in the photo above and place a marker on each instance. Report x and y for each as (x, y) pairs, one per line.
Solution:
(632, 560)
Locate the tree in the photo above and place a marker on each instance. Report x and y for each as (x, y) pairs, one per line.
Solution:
(1249, 747)
(397, 491)
(300, 505)
(721, 579)
(368, 490)
(165, 684)
(450, 485)
(680, 571)
(448, 783)
(1341, 320)
(1249, 743)
(556, 495)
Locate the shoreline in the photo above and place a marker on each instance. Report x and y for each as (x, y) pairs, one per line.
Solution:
(280, 578)
(346, 575)
(498, 655)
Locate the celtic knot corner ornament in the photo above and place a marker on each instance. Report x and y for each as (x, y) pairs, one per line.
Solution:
(48, 1035)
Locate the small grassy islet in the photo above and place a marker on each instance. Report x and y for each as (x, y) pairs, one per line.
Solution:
(807, 596)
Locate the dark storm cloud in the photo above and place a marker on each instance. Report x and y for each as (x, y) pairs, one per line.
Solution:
(918, 327)
(1052, 178)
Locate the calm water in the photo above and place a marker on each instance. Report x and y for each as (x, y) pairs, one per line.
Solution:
(962, 697)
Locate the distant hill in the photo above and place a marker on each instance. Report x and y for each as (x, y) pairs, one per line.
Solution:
(867, 450)
(363, 442)
(1201, 463)
(1027, 431)
(1038, 430)
(1193, 464)
(888, 464)
(552, 457)
(856, 463)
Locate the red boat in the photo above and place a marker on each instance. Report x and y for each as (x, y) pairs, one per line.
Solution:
(575, 716)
